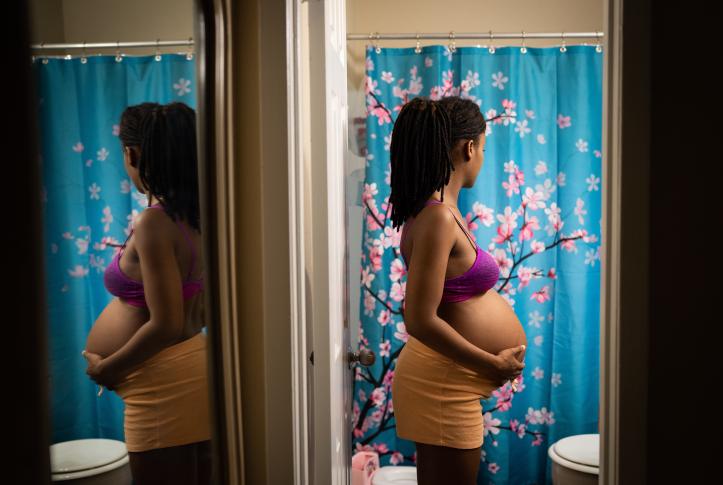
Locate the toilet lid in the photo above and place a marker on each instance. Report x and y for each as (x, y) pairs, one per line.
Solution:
(582, 448)
(77, 455)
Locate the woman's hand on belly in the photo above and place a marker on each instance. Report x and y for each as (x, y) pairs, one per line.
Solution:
(97, 372)
(508, 365)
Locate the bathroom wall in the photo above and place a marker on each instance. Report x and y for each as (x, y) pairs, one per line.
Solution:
(111, 21)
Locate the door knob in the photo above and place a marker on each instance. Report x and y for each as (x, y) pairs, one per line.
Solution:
(365, 357)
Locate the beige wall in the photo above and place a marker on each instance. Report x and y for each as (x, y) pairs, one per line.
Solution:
(46, 23)
(111, 21)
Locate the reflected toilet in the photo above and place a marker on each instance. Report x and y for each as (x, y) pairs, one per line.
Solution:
(90, 462)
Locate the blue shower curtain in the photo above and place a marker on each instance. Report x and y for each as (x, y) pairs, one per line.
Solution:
(536, 207)
(89, 200)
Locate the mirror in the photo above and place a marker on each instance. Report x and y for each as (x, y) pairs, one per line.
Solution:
(127, 339)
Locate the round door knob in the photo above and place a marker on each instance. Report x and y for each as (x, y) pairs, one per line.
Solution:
(365, 357)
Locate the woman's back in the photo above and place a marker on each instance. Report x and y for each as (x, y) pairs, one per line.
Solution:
(123, 278)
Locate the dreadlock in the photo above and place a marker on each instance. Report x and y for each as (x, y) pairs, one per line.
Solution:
(423, 136)
(168, 164)
(420, 156)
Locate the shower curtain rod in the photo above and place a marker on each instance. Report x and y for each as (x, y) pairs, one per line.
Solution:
(473, 35)
(117, 45)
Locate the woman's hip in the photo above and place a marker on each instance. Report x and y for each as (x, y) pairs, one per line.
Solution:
(181, 367)
(424, 371)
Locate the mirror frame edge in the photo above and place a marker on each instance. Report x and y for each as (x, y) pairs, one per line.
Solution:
(211, 27)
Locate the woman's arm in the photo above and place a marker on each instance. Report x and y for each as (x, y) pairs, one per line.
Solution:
(439, 335)
(163, 292)
(433, 241)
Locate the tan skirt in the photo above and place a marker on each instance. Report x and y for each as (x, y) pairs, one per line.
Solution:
(436, 400)
(166, 399)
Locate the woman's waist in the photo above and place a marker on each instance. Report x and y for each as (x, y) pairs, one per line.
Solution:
(175, 352)
(422, 364)
(416, 346)
(174, 364)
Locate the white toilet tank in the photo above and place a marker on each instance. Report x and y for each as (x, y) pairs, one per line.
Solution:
(90, 462)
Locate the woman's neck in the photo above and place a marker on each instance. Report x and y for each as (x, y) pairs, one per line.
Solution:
(450, 195)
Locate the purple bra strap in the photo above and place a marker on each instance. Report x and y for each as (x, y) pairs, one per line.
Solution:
(458, 223)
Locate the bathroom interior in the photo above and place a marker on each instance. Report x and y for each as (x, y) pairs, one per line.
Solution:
(537, 207)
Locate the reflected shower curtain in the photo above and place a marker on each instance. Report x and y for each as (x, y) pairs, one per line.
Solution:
(89, 201)
(536, 207)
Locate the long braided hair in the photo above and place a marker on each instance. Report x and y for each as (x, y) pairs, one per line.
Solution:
(168, 162)
(423, 136)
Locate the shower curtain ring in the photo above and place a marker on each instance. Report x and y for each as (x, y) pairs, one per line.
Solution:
(524, 48)
(563, 48)
(452, 43)
(492, 46)
(189, 55)
(598, 47)
(44, 60)
(417, 49)
(158, 53)
(377, 49)
(83, 58)
(118, 57)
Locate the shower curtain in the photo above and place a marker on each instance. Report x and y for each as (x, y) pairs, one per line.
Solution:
(536, 207)
(89, 201)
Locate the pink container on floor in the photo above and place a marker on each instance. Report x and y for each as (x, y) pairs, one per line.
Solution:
(363, 466)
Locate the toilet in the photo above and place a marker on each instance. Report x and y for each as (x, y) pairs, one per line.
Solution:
(90, 462)
(575, 460)
(395, 475)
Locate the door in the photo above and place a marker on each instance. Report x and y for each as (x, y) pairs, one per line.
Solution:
(332, 357)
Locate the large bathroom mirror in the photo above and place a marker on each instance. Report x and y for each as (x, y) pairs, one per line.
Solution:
(125, 238)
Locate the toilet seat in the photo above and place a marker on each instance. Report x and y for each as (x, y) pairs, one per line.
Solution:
(87, 457)
(579, 452)
(395, 475)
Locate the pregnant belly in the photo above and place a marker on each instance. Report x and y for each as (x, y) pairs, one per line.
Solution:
(486, 320)
(114, 327)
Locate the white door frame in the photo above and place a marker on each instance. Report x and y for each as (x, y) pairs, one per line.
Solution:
(303, 467)
(322, 454)
(609, 257)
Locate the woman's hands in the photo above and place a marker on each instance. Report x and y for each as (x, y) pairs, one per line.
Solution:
(97, 371)
(508, 365)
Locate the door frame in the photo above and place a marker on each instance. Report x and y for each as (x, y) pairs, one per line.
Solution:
(610, 252)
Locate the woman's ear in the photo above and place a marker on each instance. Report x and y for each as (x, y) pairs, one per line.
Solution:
(468, 150)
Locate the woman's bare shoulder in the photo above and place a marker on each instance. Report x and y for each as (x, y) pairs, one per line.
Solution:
(434, 217)
(434, 224)
(154, 224)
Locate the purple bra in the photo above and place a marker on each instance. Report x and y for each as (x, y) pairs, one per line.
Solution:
(130, 290)
(482, 276)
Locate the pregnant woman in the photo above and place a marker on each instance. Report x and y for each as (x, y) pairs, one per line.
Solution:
(147, 344)
(465, 340)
